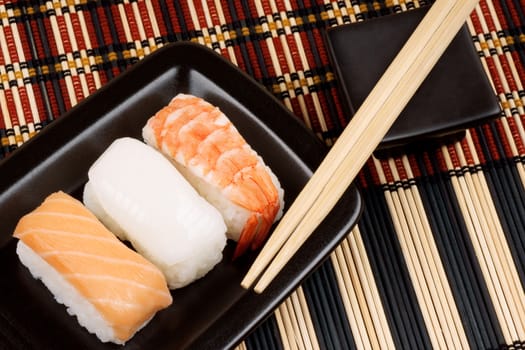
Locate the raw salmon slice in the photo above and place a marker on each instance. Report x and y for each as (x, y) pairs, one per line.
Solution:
(89, 269)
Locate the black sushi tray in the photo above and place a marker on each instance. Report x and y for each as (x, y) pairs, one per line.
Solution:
(214, 312)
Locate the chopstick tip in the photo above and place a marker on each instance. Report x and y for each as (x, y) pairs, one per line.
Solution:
(249, 280)
(246, 283)
(259, 290)
(261, 285)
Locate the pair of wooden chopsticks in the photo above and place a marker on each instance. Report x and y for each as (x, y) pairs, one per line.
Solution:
(360, 138)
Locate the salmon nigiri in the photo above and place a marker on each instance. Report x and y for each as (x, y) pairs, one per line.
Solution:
(112, 290)
(213, 156)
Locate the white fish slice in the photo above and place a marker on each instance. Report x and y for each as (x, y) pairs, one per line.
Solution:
(140, 195)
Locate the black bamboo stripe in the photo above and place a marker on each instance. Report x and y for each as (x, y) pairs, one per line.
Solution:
(54, 76)
(326, 309)
(504, 189)
(459, 259)
(504, 168)
(240, 39)
(34, 52)
(520, 27)
(271, 333)
(171, 34)
(515, 30)
(266, 336)
(117, 46)
(100, 49)
(391, 273)
(252, 22)
(186, 34)
(326, 86)
(254, 341)
(512, 46)
(509, 197)
(519, 10)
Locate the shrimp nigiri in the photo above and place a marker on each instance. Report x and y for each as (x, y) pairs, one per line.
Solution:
(210, 152)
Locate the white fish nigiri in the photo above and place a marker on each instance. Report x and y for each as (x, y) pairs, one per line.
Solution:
(138, 194)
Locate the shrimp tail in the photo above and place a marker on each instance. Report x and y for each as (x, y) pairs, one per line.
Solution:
(247, 235)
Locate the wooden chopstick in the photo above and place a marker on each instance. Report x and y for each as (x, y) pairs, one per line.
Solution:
(362, 135)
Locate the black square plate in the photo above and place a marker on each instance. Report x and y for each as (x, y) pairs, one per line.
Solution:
(456, 94)
(214, 312)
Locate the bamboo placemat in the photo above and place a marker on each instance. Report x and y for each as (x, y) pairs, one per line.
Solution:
(437, 260)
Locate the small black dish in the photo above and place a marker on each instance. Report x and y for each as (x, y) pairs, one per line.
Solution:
(456, 95)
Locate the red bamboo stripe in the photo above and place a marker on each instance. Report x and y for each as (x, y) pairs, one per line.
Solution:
(84, 60)
(475, 139)
(414, 166)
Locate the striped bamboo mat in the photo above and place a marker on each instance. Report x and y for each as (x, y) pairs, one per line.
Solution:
(438, 258)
